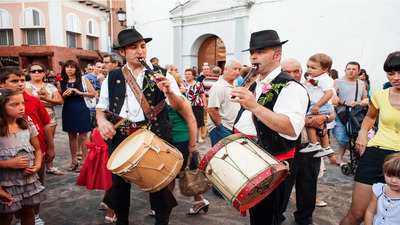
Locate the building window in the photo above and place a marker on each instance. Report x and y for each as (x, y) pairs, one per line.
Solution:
(92, 34)
(90, 43)
(35, 37)
(6, 37)
(74, 30)
(71, 40)
(6, 29)
(32, 22)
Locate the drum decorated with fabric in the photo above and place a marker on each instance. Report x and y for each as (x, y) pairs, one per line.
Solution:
(242, 171)
(146, 160)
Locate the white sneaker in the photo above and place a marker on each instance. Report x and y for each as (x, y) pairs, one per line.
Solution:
(323, 152)
(38, 221)
(311, 148)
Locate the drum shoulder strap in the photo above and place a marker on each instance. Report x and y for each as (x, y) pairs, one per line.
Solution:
(150, 112)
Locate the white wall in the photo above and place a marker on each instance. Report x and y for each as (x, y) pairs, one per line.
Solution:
(363, 31)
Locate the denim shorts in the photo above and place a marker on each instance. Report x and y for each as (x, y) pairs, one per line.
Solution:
(325, 109)
(340, 132)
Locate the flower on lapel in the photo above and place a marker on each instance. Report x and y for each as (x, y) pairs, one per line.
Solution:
(313, 82)
(266, 88)
(269, 89)
(151, 82)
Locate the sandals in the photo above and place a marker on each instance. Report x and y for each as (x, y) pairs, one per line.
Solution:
(55, 171)
(152, 212)
(204, 207)
(103, 206)
(73, 166)
(79, 168)
(110, 219)
(79, 156)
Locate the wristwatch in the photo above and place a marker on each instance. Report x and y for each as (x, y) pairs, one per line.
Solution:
(192, 145)
(328, 117)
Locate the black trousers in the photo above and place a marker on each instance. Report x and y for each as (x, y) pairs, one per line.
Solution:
(118, 197)
(268, 211)
(304, 172)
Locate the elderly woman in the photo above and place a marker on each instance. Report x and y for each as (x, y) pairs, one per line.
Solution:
(196, 96)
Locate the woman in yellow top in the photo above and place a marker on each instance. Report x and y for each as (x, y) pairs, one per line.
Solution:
(386, 105)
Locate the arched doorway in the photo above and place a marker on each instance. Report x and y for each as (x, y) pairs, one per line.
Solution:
(212, 51)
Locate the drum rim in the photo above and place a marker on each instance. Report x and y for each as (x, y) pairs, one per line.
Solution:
(257, 179)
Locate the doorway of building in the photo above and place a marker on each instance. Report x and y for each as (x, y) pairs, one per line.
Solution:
(213, 52)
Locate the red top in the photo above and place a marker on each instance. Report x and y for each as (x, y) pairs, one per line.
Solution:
(37, 114)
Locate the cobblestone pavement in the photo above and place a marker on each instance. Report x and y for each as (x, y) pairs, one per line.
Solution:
(68, 204)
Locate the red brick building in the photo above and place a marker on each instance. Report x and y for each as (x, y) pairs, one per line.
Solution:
(52, 32)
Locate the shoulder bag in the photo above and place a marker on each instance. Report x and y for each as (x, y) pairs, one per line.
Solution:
(193, 182)
(90, 102)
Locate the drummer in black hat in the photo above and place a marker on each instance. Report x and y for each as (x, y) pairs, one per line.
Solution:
(117, 96)
(274, 114)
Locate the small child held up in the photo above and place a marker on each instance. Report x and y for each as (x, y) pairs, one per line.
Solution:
(20, 159)
(384, 207)
(320, 89)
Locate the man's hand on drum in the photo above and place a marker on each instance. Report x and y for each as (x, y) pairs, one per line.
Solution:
(244, 97)
(106, 129)
(163, 83)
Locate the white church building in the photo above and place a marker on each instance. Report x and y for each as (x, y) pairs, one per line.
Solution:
(354, 30)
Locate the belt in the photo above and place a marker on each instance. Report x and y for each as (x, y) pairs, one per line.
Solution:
(129, 127)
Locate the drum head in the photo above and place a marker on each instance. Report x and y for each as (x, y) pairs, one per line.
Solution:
(127, 149)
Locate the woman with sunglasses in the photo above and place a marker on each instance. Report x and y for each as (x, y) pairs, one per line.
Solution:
(75, 114)
(49, 95)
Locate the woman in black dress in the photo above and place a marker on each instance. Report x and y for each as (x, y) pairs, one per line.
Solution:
(75, 114)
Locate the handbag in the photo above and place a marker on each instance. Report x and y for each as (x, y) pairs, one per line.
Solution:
(343, 115)
(193, 182)
(90, 102)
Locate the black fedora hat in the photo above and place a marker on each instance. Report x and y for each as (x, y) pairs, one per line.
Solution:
(263, 39)
(129, 36)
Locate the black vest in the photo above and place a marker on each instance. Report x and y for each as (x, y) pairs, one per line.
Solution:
(161, 125)
(269, 139)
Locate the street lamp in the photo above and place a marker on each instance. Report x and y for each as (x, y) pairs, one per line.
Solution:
(121, 16)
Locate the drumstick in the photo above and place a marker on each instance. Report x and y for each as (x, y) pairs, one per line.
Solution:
(120, 122)
(121, 119)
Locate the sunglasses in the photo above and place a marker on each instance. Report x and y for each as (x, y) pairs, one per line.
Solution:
(34, 71)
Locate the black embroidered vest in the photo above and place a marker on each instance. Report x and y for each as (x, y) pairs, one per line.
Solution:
(268, 139)
(161, 125)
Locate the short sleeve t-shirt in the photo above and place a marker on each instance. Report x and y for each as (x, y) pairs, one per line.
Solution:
(387, 135)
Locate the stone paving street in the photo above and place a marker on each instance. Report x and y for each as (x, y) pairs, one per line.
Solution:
(68, 204)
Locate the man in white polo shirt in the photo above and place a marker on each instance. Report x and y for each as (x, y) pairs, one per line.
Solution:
(221, 110)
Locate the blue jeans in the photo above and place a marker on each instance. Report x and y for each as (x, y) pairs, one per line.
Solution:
(340, 132)
(219, 133)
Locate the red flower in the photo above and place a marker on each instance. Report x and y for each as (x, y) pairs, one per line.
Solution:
(313, 82)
